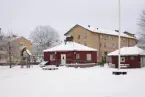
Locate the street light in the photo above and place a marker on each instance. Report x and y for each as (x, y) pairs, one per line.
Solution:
(119, 34)
(119, 72)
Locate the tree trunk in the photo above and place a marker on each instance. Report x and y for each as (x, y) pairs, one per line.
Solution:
(10, 56)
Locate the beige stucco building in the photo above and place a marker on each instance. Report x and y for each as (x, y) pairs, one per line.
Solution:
(16, 43)
(103, 40)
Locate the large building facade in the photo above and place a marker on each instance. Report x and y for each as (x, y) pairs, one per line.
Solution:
(105, 41)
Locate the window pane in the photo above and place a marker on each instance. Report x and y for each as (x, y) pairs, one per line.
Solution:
(132, 58)
(88, 57)
(85, 44)
(85, 36)
(77, 56)
(52, 57)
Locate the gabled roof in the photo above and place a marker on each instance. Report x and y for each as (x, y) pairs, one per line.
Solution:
(19, 37)
(128, 51)
(100, 30)
(69, 46)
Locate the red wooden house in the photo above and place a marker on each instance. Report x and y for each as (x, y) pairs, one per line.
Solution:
(70, 53)
(134, 57)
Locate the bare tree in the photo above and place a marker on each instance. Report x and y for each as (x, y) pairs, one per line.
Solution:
(9, 47)
(1, 34)
(43, 37)
(2, 52)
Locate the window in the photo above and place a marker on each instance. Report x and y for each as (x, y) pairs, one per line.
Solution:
(78, 36)
(104, 37)
(79, 42)
(122, 59)
(132, 58)
(85, 43)
(101, 53)
(101, 36)
(107, 37)
(108, 45)
(77, 56)
(110, 37)
(100, 44)
(104, 45)
(89, 57)
(52, 57)
(85, 35)
(113, 45)
(21, 44)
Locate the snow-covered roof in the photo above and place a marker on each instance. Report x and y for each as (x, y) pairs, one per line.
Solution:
(69, 46)
(128, 51)
(105, 31)
(15, 38)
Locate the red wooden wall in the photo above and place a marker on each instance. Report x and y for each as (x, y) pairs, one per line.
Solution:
(133, 63)
(71, 57)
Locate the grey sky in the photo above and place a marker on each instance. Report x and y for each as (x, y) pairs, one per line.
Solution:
(22, 16)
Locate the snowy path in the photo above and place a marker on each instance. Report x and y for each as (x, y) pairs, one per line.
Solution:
(70, 82)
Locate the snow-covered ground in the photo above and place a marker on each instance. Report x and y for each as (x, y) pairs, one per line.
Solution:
(71, 82)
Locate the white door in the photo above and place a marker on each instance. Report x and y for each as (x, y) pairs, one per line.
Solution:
(63, 59)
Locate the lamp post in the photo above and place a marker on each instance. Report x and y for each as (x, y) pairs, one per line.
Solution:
(119, 34)
(119, 72)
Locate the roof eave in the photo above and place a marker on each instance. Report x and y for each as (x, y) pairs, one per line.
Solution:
(70, 30)
(72, 50)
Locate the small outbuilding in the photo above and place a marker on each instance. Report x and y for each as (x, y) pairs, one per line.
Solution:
(133, 57)
(70, 53)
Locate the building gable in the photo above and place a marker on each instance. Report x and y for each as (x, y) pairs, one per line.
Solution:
(68, 32)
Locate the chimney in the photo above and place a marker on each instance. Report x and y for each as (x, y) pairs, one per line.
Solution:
(89, 26)
(116, 30)
(129, 34)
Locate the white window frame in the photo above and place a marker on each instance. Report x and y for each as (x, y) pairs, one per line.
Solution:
(77, 56)
(89, 57)
(52, 57)
(122, 59)
(85, 35)
(132, 58)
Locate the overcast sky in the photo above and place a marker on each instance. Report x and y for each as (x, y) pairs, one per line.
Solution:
(22, 16)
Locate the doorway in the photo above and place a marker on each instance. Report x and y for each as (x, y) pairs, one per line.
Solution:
(63, 59)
